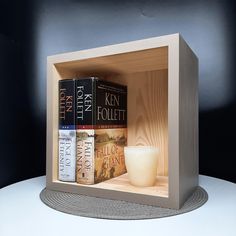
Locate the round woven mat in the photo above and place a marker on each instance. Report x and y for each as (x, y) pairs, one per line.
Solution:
(112, 209)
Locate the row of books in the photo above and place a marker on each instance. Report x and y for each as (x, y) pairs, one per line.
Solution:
(92, 130)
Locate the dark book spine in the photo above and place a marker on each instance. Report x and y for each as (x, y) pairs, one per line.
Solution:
(111, 105)
(84, 103)
(84, 130)
(67, 132)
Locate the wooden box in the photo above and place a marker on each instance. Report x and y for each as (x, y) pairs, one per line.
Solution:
(162, 78)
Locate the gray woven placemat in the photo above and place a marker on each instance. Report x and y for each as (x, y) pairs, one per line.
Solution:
(112, 209)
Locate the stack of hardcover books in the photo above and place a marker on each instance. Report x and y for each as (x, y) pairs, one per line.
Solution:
(92, 130)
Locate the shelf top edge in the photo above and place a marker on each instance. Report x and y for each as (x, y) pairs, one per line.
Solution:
(131, 46)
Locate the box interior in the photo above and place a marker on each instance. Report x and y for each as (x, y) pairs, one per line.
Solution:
(145, 73)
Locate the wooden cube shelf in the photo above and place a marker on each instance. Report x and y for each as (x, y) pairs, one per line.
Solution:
(162, 78)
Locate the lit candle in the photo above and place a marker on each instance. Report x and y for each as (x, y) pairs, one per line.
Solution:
(141, 165)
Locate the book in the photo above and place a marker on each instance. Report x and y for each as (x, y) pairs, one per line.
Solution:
(101, 122)
(67, 131)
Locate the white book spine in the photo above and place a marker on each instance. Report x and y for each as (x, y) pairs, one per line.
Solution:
(67, 155)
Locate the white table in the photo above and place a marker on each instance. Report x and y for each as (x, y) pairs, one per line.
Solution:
(22, 213)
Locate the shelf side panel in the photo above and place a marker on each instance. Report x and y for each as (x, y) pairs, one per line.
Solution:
(188, 121)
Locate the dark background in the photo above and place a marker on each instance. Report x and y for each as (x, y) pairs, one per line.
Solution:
(32, 30)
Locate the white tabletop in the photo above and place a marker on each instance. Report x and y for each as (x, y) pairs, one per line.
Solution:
(22, 213)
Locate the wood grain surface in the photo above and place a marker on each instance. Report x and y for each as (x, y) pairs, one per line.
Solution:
(121, 183)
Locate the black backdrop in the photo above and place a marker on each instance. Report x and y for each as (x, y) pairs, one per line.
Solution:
(32, 30)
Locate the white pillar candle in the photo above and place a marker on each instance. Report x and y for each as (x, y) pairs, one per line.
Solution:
(141, 165)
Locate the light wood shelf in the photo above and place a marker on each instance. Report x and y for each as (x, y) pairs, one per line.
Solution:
(121, 183)
(162, 78)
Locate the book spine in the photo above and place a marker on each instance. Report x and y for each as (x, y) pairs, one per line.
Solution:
(84, 131)
(67, 131)
(110, 130)
(85, 156)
